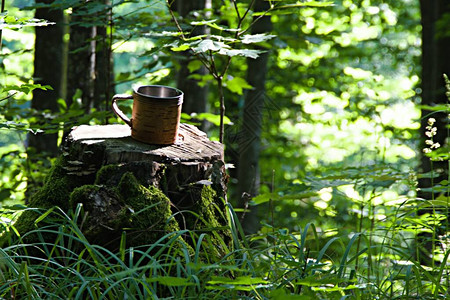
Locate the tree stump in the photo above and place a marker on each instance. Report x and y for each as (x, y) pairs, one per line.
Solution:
(146, 190)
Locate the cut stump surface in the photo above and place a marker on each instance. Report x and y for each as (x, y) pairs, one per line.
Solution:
(192, 146)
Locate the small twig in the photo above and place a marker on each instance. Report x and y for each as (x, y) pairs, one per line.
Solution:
(2, 11)
(264, 14)
(247, 11)
(227, 66)
(236, 9)
(209, 63)
(200, 56)
(110, 20)
(7, 97)
(270, 200)
(238, 32)
(169, 6)
(222, 109)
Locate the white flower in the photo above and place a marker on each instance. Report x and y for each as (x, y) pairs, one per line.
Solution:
(435, 146)
(431, 121)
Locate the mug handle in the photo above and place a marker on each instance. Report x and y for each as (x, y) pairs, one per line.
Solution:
(116, 109)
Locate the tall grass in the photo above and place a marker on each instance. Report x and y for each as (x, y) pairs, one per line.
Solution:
(275, 264)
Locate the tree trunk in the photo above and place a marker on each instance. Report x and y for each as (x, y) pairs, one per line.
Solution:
(250, 135)
(48, 67)
(48, 70)
(79, 75)
(435, 63)
(104, 76)
(89, 62)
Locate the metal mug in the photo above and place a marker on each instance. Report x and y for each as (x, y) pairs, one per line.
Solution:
(156, 113)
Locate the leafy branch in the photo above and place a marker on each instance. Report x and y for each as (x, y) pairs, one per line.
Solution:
(206, 47)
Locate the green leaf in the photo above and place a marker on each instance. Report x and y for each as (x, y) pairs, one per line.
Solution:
(203, 22)
(241, 52)
(243, 280)
(256, 38)
(289, 8)
(202, 80)
(11, 22)
(306, 4)
(15, 207)
(441, 201)
(171, 281)
(194, 65)
(26, 88)
(182, 47)
(215, 119)
(163, 34)
(213, 24)
(438, 107)
(315, 281)
(205, 266)
(209, 45)
(281, 294)
(237, 85)
(62, 105)
(44, 215)
(185, 116)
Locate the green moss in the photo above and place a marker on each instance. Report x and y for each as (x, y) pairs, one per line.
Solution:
(146, 173)
(207, 217)
(82, 194)
(105, 173)
(151, 214)
(56, 190)
(202, 199)
(105, 214)
(151, 207)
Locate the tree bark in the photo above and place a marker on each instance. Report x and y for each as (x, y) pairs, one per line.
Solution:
(79, 75)
(104, 76)
(435, 63)
(250, 135)
(89, 63)
(48, 68)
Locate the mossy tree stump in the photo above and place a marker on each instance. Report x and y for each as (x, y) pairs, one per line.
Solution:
(146, 190)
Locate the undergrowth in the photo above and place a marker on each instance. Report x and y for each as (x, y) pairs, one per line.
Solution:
(273, 264)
